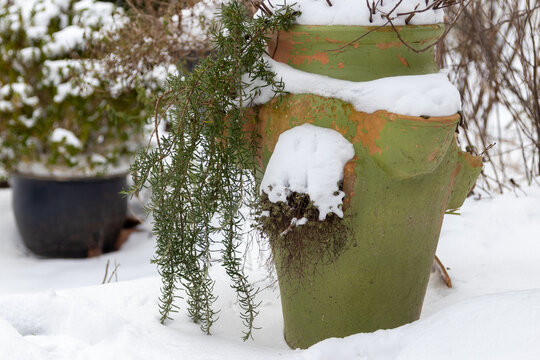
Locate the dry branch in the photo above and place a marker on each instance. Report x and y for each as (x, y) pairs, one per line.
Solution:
(493, 55)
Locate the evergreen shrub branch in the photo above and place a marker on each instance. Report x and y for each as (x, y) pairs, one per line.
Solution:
(201, 172)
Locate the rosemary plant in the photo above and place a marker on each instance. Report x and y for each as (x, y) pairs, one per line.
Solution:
(201, 173)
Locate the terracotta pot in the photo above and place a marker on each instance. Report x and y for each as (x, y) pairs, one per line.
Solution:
(406, 173)
(330, 50)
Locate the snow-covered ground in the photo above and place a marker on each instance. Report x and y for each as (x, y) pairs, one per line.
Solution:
(58, 309)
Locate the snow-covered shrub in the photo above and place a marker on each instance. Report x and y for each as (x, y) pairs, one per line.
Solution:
(61, 110)
(158, 33)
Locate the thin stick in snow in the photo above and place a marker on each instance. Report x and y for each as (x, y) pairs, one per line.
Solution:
(443, 272)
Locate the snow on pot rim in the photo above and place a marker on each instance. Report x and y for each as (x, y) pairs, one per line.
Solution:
(357, 12)
(85, 165)
(38, 170)
(426, 95)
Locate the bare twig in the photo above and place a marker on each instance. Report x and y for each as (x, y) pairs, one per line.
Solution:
(107, 279)
(391, 15)
(496, 66)
(443, 272)
(486, 150)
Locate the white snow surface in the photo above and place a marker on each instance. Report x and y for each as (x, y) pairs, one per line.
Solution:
(64, 40)
(195, 21)
(60, 135)
(92, 13)
(498, 326)
(357, 12)
(430, 94)
(54, 309)
(309, 160)
(95, 13)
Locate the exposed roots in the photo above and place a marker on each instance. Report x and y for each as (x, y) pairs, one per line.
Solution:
(297, 249)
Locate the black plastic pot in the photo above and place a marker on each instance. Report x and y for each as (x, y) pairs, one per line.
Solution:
(69, 218)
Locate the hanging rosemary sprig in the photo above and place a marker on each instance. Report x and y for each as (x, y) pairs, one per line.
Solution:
(201, 172)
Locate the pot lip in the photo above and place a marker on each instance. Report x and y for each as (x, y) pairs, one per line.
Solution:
(409, 120)
(66, 178)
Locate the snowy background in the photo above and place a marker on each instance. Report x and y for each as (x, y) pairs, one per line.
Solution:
(58, 309)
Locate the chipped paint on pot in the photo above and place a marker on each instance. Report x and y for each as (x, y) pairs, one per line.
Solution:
(357, 53)
(406, 173)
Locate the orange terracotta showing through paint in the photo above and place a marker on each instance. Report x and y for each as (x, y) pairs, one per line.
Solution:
(368, 129)
(301, 59)
(349, 179)
(343, 130)
(403, 60)
(333, 41)
(296, 113)
(386, 45)
(341, 65)
(433, 120)
(434, 155)
(474, 161)
(285, 52)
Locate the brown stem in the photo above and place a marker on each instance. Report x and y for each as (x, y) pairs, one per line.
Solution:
(443, 272)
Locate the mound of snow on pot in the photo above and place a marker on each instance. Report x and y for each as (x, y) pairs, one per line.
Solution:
(414, 95)
(357, 12)
(309, 160)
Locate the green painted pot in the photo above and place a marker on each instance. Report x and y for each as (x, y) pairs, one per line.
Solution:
(332, 51)
(406, 173)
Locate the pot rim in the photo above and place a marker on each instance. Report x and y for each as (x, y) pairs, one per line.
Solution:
(66, 178)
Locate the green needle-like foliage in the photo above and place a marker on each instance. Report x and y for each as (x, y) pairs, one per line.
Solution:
(202, 171)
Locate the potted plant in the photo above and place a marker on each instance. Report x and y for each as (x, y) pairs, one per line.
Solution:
(405, 173)
(357, 258)
(68, 125)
